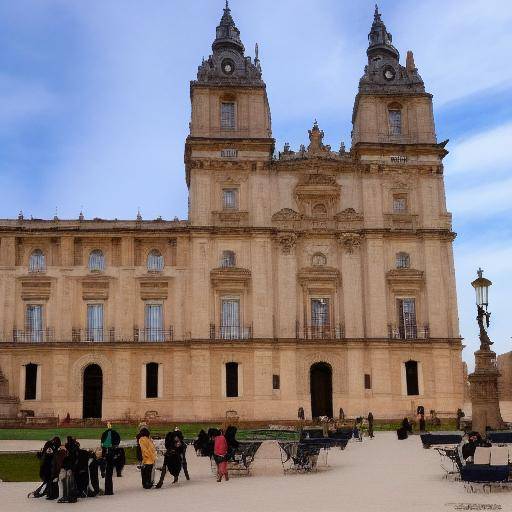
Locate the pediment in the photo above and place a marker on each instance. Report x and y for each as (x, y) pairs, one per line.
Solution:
(37, 287)
(286, 214)
(405, 275)
(154, 287)
(230, 275)
(318, 274)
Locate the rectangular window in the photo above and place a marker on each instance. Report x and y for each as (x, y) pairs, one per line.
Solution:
(153, 323)
(152, 380)
(276, 382)
(34, 322)
(94, 322)
(320, 312)
(399, 204)
(30, 381)
(227, 115)
(229, 198)
(231, 379)
(411, 377)
(407, 318)
(367, 381)
(395, 122)
(230, 319)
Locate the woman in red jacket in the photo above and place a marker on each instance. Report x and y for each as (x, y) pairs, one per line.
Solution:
(220, 454)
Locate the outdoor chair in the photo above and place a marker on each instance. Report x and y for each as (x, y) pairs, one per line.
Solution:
(243, 457)
(440, 438)
(300, 456)
(500, 437)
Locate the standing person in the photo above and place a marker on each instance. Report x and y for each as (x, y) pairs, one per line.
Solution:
(68, 472)
(45, 470)
(370, 425)
(173, 457)
(460, 415)
(183, 452)
(110, 440)
(148, 451)
(220, 454)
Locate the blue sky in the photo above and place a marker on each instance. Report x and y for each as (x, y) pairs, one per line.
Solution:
(94, 106)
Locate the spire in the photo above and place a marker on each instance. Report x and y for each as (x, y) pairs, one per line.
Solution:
(227, 35)
(380, 39)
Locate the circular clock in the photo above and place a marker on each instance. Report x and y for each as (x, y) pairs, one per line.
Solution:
(389, 73)
(228, 66)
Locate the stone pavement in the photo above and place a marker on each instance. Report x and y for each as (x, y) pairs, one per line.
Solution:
(378, 475)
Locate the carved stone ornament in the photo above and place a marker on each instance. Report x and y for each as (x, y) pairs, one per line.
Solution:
(348, 215)
(286, 214)
(287, 242)
(349, 241)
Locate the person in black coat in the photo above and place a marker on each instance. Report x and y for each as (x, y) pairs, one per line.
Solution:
(110, 440)
(70, 469)
(172, 458)
(45, 469)
(370, 424)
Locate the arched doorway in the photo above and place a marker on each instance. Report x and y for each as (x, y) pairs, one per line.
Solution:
(321, 390)
(93, 391)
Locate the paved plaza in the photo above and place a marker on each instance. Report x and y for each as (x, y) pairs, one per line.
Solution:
(381, 475)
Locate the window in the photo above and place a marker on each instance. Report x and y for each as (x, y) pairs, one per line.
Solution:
(30, 381)
(153, 322)
(155, 261)
(402, 260)
(227, 115)
(276, 382)
(152, 380)
(231, 379)
(367, 381)
(34, 322)
(319, 312)
(228, 259)
(94, 322)
(407, 318)
(319, 210)
(229, 198)
(318, 260)
(399, 204)
(230, 319)
(411, 377)
(96, 261)
(37, 262)
(395, 121)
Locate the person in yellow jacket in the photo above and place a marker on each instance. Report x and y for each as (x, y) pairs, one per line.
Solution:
(148, 451)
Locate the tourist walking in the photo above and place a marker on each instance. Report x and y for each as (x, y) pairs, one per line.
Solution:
(220, 455)
(148, 452)
(370, 424)
(110, 440)
(173, 458)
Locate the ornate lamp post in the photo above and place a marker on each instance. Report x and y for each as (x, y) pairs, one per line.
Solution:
(484, 380)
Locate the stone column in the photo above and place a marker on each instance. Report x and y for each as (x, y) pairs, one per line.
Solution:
(262, 288)
(286, 286)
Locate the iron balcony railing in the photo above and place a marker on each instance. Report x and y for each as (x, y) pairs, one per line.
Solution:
(230, 332)
(408, 333)
(320, 332)
(156, 335)
(92, 335)
(33, 336)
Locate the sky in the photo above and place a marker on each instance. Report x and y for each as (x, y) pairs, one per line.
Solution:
(94, 106)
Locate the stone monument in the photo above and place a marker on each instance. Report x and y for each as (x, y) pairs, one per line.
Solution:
(484, 380)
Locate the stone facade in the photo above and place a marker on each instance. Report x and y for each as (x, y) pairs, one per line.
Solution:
(336, 260)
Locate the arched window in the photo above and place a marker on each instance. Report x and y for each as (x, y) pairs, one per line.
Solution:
(318, 260)
(37, 262)
(228, 259)
(411, 378)
(395, 119)
(402, 260)
(96, 261)
(152, 380)
(155, 261)
(231, 379)
(319, 210)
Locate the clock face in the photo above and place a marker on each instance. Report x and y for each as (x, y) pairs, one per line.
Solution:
(228, 66)
(389, 73)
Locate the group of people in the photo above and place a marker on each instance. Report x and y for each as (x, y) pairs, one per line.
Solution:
(69, 472)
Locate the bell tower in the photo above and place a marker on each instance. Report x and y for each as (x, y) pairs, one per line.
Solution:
(230, 124)
(391, 105)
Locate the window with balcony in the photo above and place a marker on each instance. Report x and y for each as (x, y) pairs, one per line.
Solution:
(153, 323)
(152, 380)
(31, 381)
(402, 260)
(34, 322)
(395, 120)
(94, 330)
(37, 261)
(227, 115)
(229, 199)
(230, 318)
(232, 379)
(407, 327)
(228, 259)
(399, 203)
(155, 262)
(96, 261)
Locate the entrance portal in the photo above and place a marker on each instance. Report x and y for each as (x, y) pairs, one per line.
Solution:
(93, 391)
(321, 390)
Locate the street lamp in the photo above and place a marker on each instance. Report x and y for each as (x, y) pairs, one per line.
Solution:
(481, 286)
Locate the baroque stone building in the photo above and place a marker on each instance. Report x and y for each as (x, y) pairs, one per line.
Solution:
(312, 278)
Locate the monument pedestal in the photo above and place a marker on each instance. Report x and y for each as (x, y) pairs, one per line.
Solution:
(484, 392)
